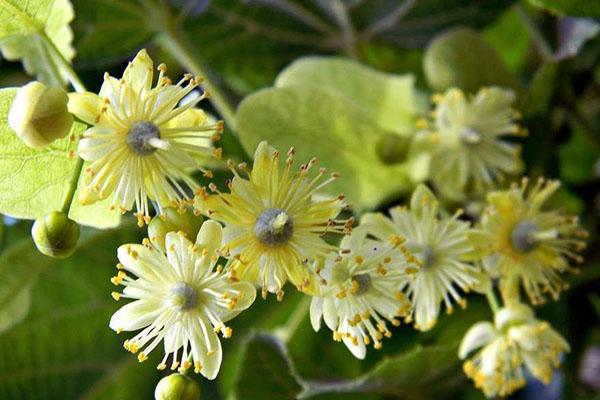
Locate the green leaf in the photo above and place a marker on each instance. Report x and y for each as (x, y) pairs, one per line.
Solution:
(389, 100)
(541, 88)
(64, 349)
(33, 182)
(577, 158)
(23, 24)
(461, 58)
(109, 30)
(575, 8)
(266, 371)
(322, 123)
(20, 266)
(510, 38)
(417, 371)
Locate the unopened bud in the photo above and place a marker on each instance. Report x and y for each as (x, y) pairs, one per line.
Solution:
(173, 221)
(55, 235)
(177, 387)
(393, 149)
(39, 114)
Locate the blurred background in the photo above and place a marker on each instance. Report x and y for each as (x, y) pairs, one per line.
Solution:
(54, 337)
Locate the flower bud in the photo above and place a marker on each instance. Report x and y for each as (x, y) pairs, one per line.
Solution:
(393, 149)
(39, 114)
(55, 235)
(177, 387)
(173, 221)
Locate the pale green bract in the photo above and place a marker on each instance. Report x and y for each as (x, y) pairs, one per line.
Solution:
(339, 111)
(22, 27)
(389, 100)
(33, 182)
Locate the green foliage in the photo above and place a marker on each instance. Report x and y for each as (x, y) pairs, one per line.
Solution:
(388, 100)
(20, 266)
(577, 159)
(64, 348)
(24, 28)
(266, 371)
(109, 30)
(461, 58)
(576, 8)
(33, 182)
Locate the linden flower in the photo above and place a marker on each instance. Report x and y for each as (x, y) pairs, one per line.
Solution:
(515, 341)
(141, 144)
(273, 226)
(361, 291)
(527, 243)
(440, 247)
(468, 153)
(179, 298)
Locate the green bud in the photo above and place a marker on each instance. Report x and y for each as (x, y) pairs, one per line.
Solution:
(393, 149)
(55, 235)
(39, 114)
(177, 387)
(172, 221)
(460, 57)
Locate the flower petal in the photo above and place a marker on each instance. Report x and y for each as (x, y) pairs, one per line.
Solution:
(85, 106)
(135, 315)
(477, 336)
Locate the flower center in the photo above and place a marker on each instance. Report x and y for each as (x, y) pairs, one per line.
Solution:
(183, 296)
(274, 227)
(427, 256)
(523, 236)
(144, 138)
(470, 136)
(360, 284)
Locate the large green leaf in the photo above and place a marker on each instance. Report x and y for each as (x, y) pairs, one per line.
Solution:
(20, 266)
(418, 371)
(33, 182)
(319, 122)
(389, 100)
(64, 348)
(109, 30)
(461, 58)
(22, 25)
(267, 372)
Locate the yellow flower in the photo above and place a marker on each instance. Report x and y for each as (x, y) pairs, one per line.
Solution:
(441, 248)
(468, 153)
(525, 243)
(360, 291)
(515, 341)
(273, 225)
(179, 298)
(142, 145)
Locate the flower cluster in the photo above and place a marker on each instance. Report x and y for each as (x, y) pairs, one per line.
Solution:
(277, 222)
(514, 342)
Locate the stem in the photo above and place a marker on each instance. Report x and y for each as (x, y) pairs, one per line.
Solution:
(492, 300)
(79, 87)
(286, 332)
(72, 186)
(176, 42)
(65, 65)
